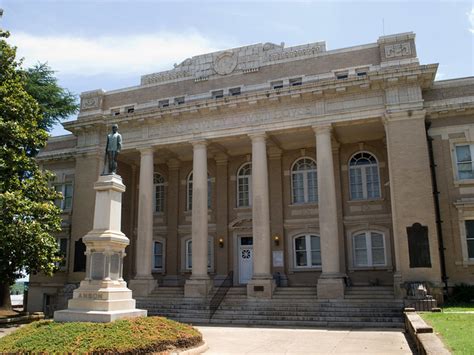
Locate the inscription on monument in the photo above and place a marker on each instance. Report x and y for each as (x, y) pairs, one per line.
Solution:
(97, 266)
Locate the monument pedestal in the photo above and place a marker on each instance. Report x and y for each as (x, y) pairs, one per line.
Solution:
(103, 295)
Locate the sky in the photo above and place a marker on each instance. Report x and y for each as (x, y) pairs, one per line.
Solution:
(109, 44)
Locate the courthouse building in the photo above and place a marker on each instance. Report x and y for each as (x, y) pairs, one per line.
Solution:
(280, 166)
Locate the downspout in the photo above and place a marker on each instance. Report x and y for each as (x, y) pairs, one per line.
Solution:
(439, 230)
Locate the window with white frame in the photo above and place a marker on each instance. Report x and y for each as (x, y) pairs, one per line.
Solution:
(364, 178)
(470, 238)
(244, 185)
(464, 161)
(369, 249)
(304, 181)
(66, 189)
(189, 194)
(307, 251)
(158, 255)
(159, 192)
(62, 253)
(189, 254)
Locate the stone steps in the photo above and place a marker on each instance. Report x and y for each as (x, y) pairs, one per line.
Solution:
(290, 306)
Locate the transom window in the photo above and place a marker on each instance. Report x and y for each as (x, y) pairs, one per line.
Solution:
(244, 185)
(369, 249)
(470, 238)
(66, 189)
(159, 192)
(464, 161)
(158, 255)
(304, 181)
(307, 251)
(189, 254)
(364, 177)
(190, 192)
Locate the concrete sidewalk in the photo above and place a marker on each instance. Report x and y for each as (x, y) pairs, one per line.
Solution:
(232, 340)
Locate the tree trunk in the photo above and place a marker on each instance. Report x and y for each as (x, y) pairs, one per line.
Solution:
(5, 301)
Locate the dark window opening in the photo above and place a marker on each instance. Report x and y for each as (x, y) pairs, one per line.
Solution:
(234, 91)
(296, 81)
(163, 103)
(218, 94)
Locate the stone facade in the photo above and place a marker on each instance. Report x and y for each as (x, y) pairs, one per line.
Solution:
(309, 166)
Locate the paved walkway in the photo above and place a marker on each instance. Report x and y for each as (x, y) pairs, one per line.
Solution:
(232, 340)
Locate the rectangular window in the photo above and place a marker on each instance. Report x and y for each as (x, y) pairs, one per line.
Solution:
(277, 84)
(130, 109)
(464, 154)
(179, 100)
(369, 249)
(115, 112)
(163, 103)
(218, 94)
(470, 238)
(62, 245)
(157, 256)
(342, 75)
(159, 198)
(296, 81)
(307, 251)
(234, 91)
(66, 189)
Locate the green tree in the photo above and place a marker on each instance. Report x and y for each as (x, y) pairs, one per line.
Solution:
(56, 103)
(28, 217)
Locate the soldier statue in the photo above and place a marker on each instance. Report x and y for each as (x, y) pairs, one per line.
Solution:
(112, 148)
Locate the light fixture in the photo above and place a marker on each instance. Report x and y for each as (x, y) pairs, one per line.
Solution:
(221, 242)
(276, 239)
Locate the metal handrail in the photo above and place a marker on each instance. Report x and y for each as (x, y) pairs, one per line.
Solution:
(220, 293)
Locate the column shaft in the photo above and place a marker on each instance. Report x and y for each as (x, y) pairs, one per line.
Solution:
(260, 209)
(328, 225)
(145, 216)
(199, 211)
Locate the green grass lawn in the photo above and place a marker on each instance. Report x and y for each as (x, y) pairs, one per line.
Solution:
(455, 329)
(143, 335)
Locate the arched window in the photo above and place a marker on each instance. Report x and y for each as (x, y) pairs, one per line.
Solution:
(189, 194)
(304, 181)
(364, 178)
(307, 251)
(369, 248)
(189, 253)
(159, 190)
(244, 185)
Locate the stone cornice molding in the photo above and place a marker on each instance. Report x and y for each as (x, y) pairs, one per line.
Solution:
(389, 117)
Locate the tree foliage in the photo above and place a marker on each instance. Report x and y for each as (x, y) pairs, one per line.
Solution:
(56, 103)
(28, 216)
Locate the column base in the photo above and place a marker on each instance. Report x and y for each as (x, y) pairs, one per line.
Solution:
(398, 289)
(100, 301)
(142, 287)
(260, 288)
(330, 288)
(197, 288)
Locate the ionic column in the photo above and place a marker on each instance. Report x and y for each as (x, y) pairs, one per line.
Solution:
(144, 283)
(330, 283)
(262, 283)
(199, 284)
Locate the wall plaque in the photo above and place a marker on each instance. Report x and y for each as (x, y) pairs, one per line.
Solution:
(418, 246)
(278, 258)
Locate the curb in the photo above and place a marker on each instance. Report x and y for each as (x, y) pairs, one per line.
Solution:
(193, 351)
(28, 318)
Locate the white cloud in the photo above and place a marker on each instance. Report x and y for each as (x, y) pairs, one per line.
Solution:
(470, 16)
(134, 54)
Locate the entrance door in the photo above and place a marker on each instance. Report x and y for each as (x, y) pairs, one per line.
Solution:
(245, 259)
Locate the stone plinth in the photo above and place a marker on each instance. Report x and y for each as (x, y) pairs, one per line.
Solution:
(330, 287)
(260, 288)
(197, 288)
(103, 295)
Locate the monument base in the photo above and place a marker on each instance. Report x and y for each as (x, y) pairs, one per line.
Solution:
(198, 288)
(261, 288)
(70, 315)
(330, 287)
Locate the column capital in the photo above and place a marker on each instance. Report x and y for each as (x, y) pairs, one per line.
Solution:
(199, 142)
(146, 151)
(322, 128)
(403, 115)
(258, 136)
